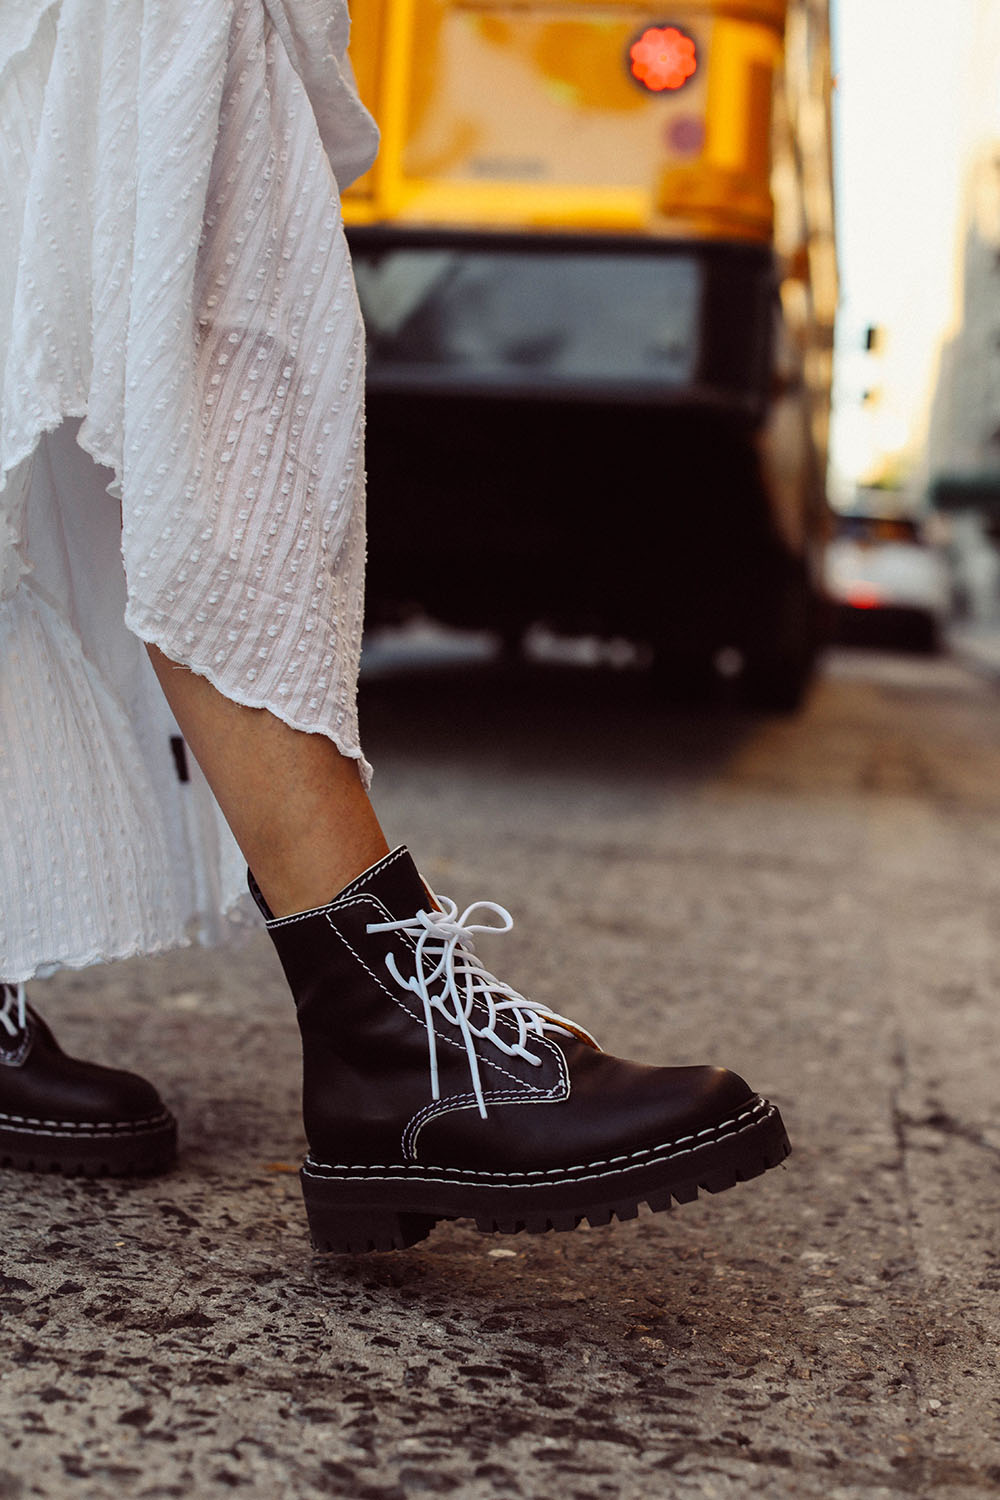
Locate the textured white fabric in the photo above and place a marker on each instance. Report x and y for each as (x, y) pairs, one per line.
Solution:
(173, 275)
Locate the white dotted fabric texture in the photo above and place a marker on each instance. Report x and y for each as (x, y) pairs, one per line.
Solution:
(173, 275)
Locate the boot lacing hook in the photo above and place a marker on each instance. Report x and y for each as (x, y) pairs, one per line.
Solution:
(14, 1001)
(445, 953)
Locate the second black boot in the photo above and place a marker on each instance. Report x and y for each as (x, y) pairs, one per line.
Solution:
(433, 1091)
(62, 1114)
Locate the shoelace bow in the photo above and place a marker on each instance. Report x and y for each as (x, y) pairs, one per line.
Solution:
(14, 1004)
(445, 957)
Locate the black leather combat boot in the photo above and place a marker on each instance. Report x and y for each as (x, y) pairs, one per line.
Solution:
(59, 1114)
(432, 1091)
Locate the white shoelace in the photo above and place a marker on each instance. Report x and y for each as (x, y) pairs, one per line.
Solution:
(445, 957)
(14, 1006)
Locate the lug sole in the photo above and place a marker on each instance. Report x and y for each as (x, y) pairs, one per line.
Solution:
(362, 1212)
(117, 1152)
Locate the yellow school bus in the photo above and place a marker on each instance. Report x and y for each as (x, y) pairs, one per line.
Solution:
(596, 262)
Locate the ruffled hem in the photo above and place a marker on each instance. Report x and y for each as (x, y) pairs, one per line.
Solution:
(349, 749)
(240, 919)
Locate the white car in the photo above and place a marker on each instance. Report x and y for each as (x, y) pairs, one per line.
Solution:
(887, 585)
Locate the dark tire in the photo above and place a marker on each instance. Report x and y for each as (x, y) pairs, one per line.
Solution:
(779, 664)
(925, 636)
(777, 685)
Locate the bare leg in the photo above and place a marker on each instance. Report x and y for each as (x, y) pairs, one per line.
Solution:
(296, 806)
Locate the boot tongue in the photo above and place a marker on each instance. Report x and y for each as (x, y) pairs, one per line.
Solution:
(575, 1031)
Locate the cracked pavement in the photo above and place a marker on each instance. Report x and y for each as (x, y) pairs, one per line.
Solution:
(811, 901)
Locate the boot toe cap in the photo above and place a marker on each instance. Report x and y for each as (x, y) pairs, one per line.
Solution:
(707, 1092)
(111, 1094)
(64, 1089)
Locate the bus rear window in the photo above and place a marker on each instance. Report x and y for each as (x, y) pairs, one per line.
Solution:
(554, 319)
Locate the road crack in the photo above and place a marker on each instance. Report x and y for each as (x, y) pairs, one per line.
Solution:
(944, 1123)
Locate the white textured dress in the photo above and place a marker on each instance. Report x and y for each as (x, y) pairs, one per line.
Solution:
(181, 414)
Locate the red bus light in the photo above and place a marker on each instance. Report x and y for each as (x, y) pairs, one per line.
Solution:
(863, 596)
(663, 58)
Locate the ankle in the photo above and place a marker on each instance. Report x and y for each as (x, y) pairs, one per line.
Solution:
(301, 884)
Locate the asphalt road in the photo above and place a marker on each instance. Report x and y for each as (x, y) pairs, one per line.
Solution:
(812, 901)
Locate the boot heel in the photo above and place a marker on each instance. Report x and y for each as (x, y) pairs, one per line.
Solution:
(353, 1231)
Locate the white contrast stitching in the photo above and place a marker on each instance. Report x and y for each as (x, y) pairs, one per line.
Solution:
(558, 1093)
(554, 1095)
(389, 859)
(653, 1155)
(27, 1125)
(341, 899)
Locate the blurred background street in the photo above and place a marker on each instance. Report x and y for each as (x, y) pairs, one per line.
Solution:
(811, 900)
(683, 449)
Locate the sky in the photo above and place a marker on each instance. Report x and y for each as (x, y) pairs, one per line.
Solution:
(918, 85)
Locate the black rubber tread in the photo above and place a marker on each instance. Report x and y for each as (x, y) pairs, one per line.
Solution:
(143, 1150)
(354, 1216)
(356, 1234)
